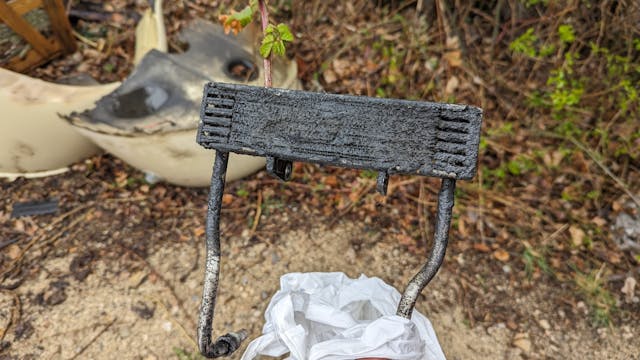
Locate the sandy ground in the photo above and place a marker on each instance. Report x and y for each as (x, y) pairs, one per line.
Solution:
(149, 310)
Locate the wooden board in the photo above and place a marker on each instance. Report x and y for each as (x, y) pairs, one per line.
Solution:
(42, 49)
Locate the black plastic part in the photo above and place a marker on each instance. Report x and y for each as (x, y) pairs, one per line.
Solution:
(382, 183)
(281, 169)
(30, 208)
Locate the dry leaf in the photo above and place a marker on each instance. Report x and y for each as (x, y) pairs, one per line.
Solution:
(341, 67)
(227, 199)
(19, 226)
(197, 232)
(501, 255)
(405, 239)
(481, 247)
(331, 180)
(599, 221)
(577, 235)
(13, 251)
(629, 289)
(462, 228)
(521, 341)
(454, 58)
(452, 85)
(329, 76)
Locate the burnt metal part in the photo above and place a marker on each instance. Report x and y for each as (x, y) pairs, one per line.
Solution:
(388, 136)
(227, 344)
(382, 182)
(30, 208)
(394, 136)
(282, 169)
(440, 239)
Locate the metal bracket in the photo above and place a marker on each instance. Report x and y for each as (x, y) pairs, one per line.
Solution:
(382, 182)
(281, 169)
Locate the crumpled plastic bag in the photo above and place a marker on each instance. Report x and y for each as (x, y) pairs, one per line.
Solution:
(329, 316)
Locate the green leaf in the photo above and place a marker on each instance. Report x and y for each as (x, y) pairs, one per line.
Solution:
(244, 16)
(269, 38)
(265, 49)
(566, 33)
(278, 48)
(270, 29)
(285, 33)
(254, 5)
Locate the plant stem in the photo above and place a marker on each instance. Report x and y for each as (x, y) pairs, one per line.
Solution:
(264, 17)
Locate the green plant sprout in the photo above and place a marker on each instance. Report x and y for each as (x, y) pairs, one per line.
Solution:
(274, 40)
(275, 36)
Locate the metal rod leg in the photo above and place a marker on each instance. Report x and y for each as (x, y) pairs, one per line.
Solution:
(227, 344)
(440, 239)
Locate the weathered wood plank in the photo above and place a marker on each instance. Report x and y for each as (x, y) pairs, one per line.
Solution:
(22, 7)
(24, 29)
(394, 136)
(60, 24)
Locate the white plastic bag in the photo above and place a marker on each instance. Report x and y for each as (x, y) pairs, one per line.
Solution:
(328, 316)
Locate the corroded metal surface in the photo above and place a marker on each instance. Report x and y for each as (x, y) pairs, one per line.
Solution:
(389, 136)
(227, 344)
(440, 239)
(395, 136)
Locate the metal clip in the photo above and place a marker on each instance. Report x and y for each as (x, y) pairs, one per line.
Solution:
(282, 169)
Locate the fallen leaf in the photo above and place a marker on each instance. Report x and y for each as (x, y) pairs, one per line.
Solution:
(599, 221)
(329, 76)
(341, 67)
(18, 225)
(227, 199)
(13, 251)
(501, 255)
(405, 239)
(462, 228)
(331, 180)
(577, 235)
(454, 58)
(197, 232)
(521, 341)
(452, 85)
(481, 247)
(628, 289)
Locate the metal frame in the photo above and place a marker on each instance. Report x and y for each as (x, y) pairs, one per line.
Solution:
(229, 343)
(286, 126)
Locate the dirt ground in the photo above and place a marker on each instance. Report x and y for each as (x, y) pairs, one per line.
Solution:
(125, 283)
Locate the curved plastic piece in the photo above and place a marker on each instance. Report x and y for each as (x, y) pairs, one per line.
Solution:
(32, 136)
(440, 240)
(226, 344)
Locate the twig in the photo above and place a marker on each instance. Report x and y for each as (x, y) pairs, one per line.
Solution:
(84, 348)
(15, 315)
(256, 218)
(496, 25)
(555, 234)
(85, 40)
(6, 243)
